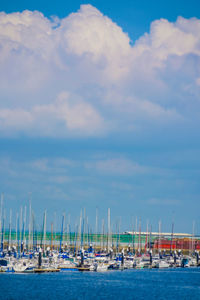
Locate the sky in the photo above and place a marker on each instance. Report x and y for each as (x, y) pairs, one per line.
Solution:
(100, 107)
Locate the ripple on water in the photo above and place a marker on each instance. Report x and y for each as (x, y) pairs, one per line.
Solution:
(129, 284)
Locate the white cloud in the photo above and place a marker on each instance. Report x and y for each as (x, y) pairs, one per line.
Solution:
(56, 170)
(78, 117)
(17, 118)
(117, 166)
(166, 38)
(80, 75)
(88, 33)
(156, 201)
(198, 81)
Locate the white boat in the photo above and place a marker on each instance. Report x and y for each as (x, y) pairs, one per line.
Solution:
(102, 267)
(19, 267)
(66, 264)
(162, 264)
(93, 267)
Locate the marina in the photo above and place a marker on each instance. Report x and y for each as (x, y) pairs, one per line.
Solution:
(26, 250)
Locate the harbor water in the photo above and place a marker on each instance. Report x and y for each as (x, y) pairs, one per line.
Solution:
(178, 283)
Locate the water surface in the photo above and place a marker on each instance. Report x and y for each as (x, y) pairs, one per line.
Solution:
(128, 284)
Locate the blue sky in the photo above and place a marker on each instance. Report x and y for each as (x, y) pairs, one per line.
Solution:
(99, 107)
(133, 16)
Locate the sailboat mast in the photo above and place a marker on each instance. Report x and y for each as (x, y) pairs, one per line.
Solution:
(16, 231)
(29, 230)
(171, 243)
(193, 231)
(108, 246)
(10, 230)
(69, 230)
(96, 229)
(55, 228)
(103, 233)
(51, 236)
(1, 213)
(159, 238)
(120, 224)
(45, 225)
(18, 237)
(24, 226)
(2, 236)
(146, 240)
(61, 235)
(133, 233)
(136, 234)
(20, 228)
(139, 240)
(79, 240)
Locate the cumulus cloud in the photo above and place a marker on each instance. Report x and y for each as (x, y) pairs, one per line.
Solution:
(166, 38)
(88, 33)
(75, 116)
(80, 75)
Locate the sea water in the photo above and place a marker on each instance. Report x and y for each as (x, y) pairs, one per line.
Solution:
(127, 284)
